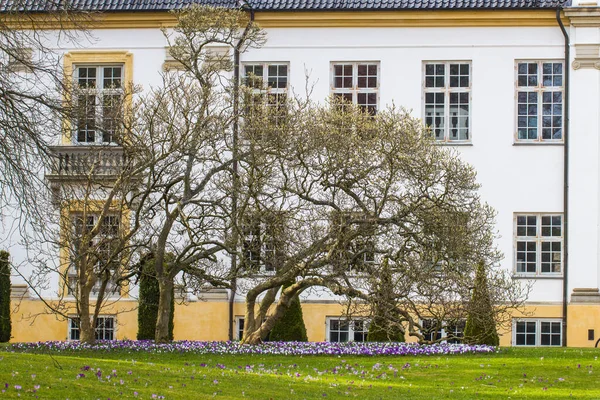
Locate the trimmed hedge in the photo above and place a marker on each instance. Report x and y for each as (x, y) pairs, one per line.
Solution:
(381, 331)
(481, 325)
(290, 328)
(148, 302)
(5, 325)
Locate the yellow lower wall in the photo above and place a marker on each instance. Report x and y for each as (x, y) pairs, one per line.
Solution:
(208, 320)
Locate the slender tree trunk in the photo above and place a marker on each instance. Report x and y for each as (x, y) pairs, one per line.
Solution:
(87, 333)
(165, 288)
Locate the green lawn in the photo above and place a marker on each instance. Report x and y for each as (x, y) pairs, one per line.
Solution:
(512, 373)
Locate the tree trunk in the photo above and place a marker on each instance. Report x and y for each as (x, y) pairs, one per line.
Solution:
(165, 287)
(87, 333)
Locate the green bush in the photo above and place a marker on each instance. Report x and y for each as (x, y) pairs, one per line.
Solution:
(480, 327)
(5, 326)
(381, 331)
(148, 301)
(290, 328)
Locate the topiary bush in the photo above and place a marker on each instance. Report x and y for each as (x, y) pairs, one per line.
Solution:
(148, 301)
(5, 325)
(380, 330)
(480, 327)
(290, 328)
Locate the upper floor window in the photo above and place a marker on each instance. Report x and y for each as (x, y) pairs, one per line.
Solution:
(104, 329)
(356, 83)
(447, 100)
(539, 101)
(353, 234)
(99, 250)
(538, 244)
(262, 241)
(268, 84)
(98, 102)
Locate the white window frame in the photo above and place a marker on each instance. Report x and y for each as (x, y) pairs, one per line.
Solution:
(351, 325)
(101, 318)
(538, 331)
(538, 239)
(272, 96)
(355, 90)
(265, 76)
(99, 91)
(112, 289)
(447, 90)
(539, 90)
(239, 327)
(443, 331)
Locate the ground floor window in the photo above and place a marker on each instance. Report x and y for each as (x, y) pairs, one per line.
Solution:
(239, 328)
(347, 330)
(105, 328)
(450, 332)
(537, 332)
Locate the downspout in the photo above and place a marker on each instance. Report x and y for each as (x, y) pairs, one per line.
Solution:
(565, 177)
(234, 165)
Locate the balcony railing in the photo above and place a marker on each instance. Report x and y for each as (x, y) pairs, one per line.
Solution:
(96, 161)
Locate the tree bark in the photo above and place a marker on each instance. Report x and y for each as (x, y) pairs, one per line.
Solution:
(165, 288)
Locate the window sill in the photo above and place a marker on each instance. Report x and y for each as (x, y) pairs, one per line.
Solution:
(538, 144)
(441, 143)
(519, 276)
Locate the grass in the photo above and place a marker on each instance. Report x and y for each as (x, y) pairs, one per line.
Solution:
(511, 373)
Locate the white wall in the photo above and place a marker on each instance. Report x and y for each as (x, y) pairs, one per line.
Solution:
(514, 178)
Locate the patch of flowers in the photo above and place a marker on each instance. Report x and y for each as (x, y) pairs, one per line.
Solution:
(275, 348)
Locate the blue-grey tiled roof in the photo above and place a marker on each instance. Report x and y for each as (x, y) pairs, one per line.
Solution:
(272, 5)
(301, 5)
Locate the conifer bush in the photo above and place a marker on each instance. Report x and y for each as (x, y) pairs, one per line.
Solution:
(148, 302)
(290, 328)
(380, 330)
(5, 325)
(480, 327)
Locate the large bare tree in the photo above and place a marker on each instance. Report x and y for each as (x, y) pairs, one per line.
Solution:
(183, 133)
(337, 198)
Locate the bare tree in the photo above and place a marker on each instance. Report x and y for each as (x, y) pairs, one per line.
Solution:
(183, 134)
(347, 190)
(31, 106)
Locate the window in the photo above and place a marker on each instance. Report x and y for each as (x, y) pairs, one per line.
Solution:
(539, 101)
(533, 332)
(434, 330)
(356, 83)
(99, 250)
(347, 330)
(262, 246)
(239, 328)
(105, 328)
(354, 237)
(269, 86)
(447, 95)
(539, 244)
(99, 97)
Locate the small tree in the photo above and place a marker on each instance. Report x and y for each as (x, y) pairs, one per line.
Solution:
(148, 301)
(382, 327)
(5, 326)
(481, 325)
(290, 328)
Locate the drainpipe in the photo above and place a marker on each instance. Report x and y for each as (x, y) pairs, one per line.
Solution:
(234, 165)
(565, 177)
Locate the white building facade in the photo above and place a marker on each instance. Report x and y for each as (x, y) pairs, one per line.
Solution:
(491, 79)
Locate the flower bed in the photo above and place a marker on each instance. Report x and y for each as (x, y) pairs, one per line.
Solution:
(275, 348)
